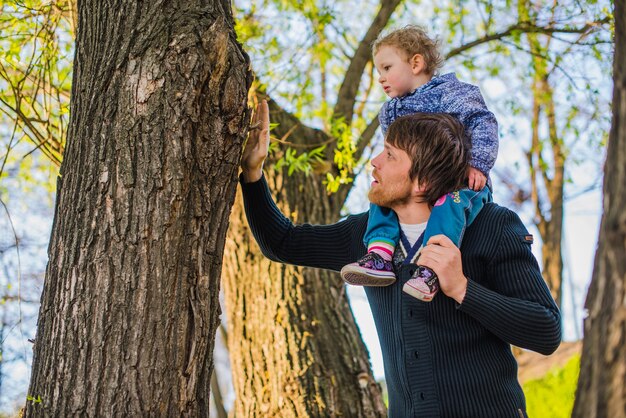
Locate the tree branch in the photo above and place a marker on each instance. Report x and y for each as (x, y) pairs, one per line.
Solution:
(348, 91)
(366, 137)
(525, 27)
(364, 140)
(40, 140)
(290, 126)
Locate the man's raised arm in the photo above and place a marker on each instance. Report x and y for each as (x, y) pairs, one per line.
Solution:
(323, 246)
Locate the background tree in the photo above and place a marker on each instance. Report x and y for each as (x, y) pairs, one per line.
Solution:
(130, 303)
(294, 323)
(601, 391)
(557, 126)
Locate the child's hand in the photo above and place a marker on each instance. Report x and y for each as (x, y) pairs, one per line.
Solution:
(477, 179)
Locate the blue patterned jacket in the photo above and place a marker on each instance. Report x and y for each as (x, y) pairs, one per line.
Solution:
(446, 94)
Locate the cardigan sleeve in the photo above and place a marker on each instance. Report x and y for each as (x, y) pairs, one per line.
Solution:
(322, 246)
(516, 305)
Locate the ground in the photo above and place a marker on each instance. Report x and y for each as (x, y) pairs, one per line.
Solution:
(533, 365)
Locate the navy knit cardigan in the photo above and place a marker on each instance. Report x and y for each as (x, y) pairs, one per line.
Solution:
(441, 359)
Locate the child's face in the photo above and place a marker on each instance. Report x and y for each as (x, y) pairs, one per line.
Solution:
(398, 74)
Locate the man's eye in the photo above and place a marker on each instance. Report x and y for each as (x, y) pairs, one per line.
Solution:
(386, 68)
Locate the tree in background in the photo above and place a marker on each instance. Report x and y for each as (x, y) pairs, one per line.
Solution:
(130, 303)
(558, 125)
(601, 391)
(293, 323)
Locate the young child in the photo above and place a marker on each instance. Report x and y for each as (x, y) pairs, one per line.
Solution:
(407, 61)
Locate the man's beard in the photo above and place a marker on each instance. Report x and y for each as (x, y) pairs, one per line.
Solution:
(389, 197)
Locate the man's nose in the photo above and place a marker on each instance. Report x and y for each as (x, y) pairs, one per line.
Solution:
(381, 78)
(374, 161)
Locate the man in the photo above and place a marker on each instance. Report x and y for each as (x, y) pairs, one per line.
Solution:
(450, 357)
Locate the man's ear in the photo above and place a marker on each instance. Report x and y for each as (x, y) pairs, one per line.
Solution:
(418, 65)
(418, 187)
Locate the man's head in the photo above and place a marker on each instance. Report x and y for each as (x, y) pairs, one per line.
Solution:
(426, 156)
(405, 59)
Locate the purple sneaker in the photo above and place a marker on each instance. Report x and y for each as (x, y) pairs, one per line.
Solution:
(371, 270)
(424, 284)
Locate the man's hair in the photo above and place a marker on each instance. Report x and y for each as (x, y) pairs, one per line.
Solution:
(438, 148)
(413, 40)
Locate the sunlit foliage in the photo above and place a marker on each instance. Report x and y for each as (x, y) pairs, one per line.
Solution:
(553, 395)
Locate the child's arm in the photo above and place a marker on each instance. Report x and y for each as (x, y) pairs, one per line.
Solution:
(465, 102)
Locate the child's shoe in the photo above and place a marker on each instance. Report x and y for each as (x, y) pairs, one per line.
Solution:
(371, 270)
(424, 284)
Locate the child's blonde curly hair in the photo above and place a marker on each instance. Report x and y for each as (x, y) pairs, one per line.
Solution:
(413, 39)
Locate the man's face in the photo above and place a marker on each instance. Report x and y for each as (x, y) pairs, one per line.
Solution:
(397, 75)
(392, 185)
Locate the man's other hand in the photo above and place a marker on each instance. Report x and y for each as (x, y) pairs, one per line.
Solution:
(444, 258)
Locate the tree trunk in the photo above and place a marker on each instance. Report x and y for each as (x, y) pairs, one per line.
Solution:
(552, 240)
(601, 390)
(130, 303)
(549, 221)
(294, 345)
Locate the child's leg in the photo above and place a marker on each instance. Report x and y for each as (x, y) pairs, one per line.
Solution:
(383, 231)
(381, 236)
(454, 212)
(450, 216)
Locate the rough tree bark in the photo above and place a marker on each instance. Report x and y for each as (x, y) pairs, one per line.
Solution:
(130, 302)
(294, 345)
(601, 390)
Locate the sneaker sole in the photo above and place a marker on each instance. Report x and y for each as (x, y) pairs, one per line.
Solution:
(355, 276)
(417, 294)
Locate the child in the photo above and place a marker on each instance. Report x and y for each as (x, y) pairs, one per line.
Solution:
(407, 61)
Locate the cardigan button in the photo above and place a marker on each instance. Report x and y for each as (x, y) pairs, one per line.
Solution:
(422, 396)
(416, 354)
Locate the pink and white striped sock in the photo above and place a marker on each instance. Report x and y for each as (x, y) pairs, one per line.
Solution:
(382, 248)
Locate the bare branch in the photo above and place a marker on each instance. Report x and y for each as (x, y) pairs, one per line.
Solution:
(290, 126)
(347, 92)
(367, 135)
(364, 140)
(525, 27)
(40, 140)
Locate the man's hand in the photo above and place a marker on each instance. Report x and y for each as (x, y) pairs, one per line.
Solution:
(255, 152)
(444, 258)
(476, 179)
